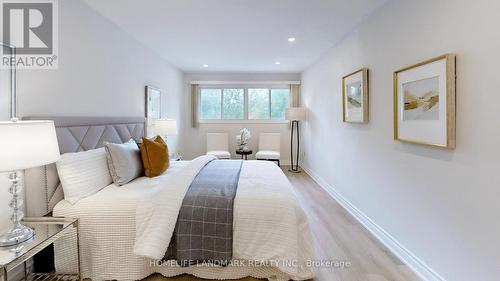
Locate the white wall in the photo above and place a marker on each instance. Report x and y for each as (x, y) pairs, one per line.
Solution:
(194, 139)
(440, 204)
(4, 115)
(102, 72)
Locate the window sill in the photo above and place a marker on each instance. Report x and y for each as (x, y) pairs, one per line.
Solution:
(244, 121)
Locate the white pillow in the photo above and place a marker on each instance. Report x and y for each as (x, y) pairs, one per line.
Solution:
(124, 161)
(83, 173)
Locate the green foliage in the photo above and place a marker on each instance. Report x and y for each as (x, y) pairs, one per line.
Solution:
(279, 103)
(210, 104)
(229, 104)
(258, 103)
(233, 104)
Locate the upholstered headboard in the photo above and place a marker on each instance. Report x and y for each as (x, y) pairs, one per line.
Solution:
(74, 134)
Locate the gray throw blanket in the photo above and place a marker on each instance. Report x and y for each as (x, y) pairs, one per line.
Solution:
(204, 228)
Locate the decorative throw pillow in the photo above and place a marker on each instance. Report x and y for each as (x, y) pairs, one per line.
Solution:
(155, 157)
(83, 173)
(124, 161)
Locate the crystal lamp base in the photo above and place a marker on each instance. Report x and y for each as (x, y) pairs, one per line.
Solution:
(17, 234)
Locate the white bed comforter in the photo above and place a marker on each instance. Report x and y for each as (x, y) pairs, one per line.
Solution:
(123, 228)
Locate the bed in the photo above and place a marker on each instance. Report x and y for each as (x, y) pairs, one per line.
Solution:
(271, 235)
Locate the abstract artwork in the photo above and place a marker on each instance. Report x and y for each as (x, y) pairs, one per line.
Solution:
(355, 97)
(7, 85)
(424, 103)
(153, 104)
(421, 99)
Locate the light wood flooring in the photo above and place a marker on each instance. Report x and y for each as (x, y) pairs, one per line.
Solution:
(338, 236)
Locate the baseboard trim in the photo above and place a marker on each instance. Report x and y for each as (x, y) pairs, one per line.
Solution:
(411, 260)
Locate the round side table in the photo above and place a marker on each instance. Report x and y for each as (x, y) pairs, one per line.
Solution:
(244, 154)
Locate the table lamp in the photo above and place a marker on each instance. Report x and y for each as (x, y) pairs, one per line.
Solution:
(295, 114)
(24, 145)
(165, 127)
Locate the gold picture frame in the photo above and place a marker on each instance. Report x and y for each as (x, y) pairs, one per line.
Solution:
(402, 103)
(360, 79)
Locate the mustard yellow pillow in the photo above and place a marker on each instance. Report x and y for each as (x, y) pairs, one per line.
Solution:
(155, 157)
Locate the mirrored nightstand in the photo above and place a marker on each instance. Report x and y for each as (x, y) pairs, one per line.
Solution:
(47, 231)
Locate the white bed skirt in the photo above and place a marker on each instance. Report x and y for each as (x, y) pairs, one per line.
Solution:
(116, 263)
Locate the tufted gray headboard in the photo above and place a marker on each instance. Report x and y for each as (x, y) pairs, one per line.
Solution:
(74, 134)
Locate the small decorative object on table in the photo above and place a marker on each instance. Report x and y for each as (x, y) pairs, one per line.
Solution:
(243, 139)
(176, 157)
(244, 153)
(48, 230)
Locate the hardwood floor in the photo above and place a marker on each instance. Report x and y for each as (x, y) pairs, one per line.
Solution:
(339, 237)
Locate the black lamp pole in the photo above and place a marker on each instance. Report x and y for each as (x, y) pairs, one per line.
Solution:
(295, 168)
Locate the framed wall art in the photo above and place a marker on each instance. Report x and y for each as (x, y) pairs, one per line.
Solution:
(153, 104)
(355, 105)
(424, 102)
(8, 104)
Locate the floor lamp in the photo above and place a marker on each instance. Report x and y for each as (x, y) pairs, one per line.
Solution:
(295, 114)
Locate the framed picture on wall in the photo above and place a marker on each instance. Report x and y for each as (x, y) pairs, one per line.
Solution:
(424, 102)
(7, 84)
(153, 104)
(355, 97)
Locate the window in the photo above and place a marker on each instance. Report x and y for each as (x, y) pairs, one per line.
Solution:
(243, 103)
(222, 104)
(279, 103)
(258, 104)
(233, 104)
(210, 101)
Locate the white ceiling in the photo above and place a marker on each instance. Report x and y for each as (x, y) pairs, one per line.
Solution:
(238, 35)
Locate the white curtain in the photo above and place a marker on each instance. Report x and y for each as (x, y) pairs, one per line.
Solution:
(194, 105)
(294, 95)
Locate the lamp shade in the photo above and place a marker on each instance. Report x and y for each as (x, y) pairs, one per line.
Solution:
(295, 113)
(27, 144)
(165, 127)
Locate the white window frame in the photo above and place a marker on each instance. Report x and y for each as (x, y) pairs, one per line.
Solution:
(245, 119)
